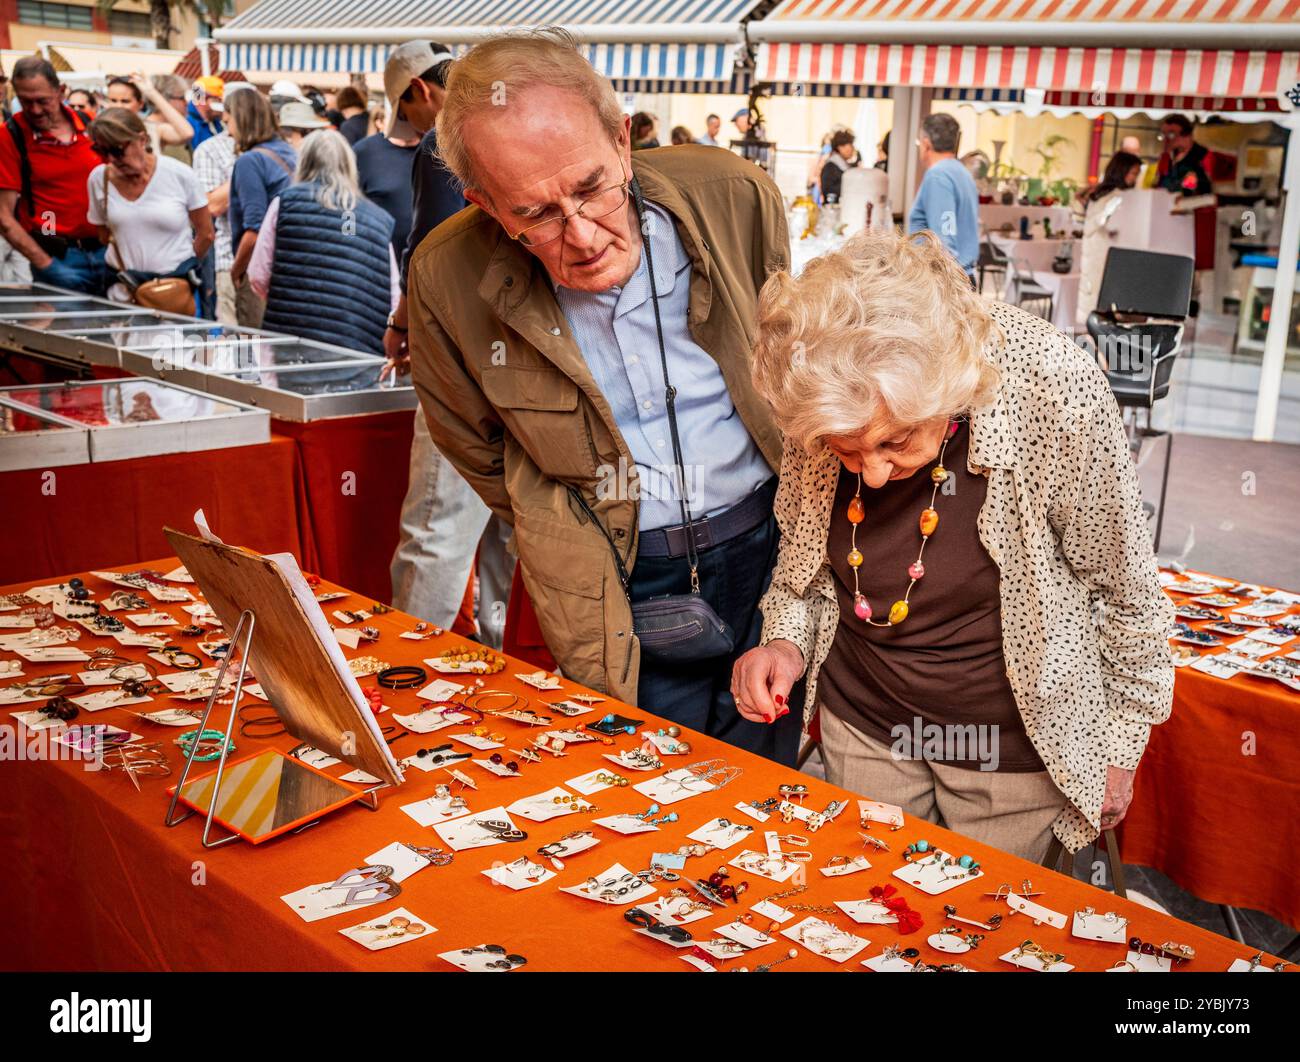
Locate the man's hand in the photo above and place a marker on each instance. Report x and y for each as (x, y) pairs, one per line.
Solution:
(398, 354)
(762, 679)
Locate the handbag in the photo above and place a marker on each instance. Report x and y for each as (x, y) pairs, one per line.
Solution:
(672, 628)
(170, 294)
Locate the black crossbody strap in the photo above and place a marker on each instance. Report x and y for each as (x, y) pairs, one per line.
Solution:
(24, 166)
(670, 392)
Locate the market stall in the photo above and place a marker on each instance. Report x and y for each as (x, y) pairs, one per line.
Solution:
(340, 491)
(1240, 59)
(715, 847)
(1216, 775)
(641, 45)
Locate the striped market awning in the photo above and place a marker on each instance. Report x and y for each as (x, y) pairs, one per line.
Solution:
(1100, 49)
(642, 45)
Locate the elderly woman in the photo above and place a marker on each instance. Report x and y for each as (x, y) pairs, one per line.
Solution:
(965, 575)
(324, 260)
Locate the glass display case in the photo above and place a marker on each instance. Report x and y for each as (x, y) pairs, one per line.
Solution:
(292, 378)
(33, 438)
(132, 417)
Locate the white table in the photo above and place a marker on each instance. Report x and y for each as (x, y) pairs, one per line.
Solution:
(804, 251)
(1034, 255)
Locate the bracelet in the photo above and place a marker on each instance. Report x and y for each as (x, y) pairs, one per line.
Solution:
(268, 725)
(194, 739)
(407, 677)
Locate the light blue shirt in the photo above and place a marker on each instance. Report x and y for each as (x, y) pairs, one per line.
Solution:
(948, 204)
(615, 330)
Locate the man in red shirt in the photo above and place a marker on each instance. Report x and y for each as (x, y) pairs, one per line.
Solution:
(46, 157)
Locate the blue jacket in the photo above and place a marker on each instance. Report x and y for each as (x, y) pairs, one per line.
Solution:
(330, 278)
(203, 129)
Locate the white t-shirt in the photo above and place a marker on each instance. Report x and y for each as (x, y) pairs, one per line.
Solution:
(152, 233)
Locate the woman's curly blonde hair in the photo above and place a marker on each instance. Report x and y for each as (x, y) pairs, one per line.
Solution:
(887, 326)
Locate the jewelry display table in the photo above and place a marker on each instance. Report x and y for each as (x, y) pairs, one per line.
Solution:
(95, 881)
(1219, 779)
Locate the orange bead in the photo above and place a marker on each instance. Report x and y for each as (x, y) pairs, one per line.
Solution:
(856, 511)
(898, 612)
(929, 521)
(855, 558)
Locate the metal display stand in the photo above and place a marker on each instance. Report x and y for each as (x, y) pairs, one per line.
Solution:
(245, 628)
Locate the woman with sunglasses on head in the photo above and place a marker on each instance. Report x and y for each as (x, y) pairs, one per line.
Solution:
(150, 208)
(166, 126)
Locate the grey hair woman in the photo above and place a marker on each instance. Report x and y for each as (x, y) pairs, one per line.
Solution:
(965, 577)
(324, 261)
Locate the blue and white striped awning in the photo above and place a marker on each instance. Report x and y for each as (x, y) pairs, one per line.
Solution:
(649, 43)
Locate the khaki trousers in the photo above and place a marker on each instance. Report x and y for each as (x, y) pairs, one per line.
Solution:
(1009, 811)
(226, 299)
(249, 306)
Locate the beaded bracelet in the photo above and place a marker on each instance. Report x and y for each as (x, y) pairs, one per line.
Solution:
(195, 739)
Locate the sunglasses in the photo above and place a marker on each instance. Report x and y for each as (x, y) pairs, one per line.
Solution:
(114, 153)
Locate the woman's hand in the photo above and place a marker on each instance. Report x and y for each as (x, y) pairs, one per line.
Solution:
(1119, 794)
(762, 679)
(146, 87)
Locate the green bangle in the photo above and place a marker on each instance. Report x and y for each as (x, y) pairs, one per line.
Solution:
(194, 737)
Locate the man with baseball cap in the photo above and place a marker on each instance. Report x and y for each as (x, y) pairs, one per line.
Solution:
(205, 107)
(443, 520)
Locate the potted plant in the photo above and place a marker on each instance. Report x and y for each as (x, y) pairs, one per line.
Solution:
(1049, 154)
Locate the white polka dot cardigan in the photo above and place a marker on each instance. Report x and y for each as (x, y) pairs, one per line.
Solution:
(1084, 621)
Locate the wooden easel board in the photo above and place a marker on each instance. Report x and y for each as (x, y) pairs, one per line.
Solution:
(294, 653)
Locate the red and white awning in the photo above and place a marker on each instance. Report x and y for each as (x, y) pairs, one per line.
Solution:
(1098, 48)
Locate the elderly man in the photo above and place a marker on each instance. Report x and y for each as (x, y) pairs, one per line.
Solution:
(542, 320)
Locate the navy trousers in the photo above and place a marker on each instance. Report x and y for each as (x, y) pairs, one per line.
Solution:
(733, 577)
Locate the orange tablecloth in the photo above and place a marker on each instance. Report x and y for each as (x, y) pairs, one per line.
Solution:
(1217, 796)
(97, 881)
(329, 491)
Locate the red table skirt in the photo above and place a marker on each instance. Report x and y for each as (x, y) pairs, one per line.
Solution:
(79, 517)
(330, 492)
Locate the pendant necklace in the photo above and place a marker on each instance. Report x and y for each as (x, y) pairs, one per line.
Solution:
(929, 520)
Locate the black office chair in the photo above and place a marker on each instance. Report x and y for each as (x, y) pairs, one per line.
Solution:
(1138, 331)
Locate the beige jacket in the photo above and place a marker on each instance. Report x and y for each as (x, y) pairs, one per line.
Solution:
(512, 404)
(1084, 620)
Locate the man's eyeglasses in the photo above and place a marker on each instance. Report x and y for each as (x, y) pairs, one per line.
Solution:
(105, 152)
(599, 204)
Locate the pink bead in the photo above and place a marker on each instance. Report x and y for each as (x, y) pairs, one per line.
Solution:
(916, 571)
(861, 608)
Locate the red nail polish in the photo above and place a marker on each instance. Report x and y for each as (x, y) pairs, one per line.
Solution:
(779, 698)
(783, 712)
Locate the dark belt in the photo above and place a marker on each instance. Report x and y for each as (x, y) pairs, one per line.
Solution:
(57, 246)
(711, 531)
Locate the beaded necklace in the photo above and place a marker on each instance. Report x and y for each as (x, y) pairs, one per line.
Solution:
(929, 520)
